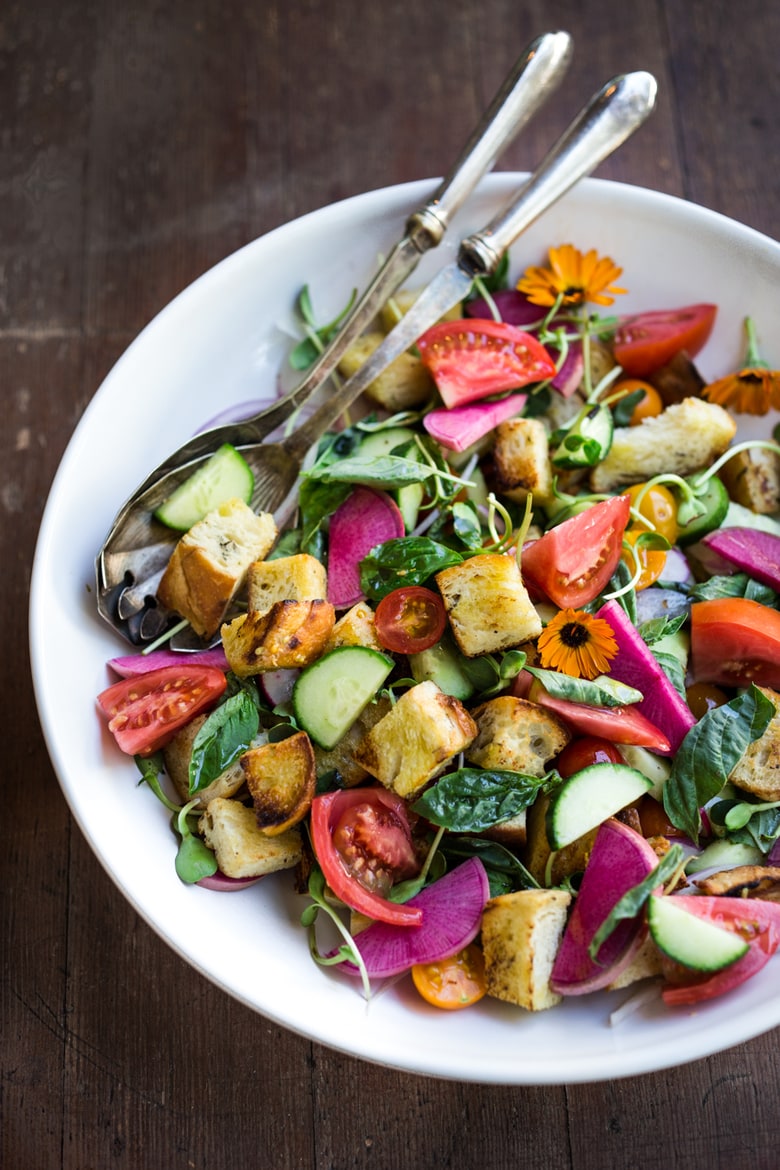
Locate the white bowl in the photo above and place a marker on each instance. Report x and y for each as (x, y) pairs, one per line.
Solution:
(223, 341)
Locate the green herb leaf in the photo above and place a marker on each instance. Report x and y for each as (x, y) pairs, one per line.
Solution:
(466, 524)
(505, 871)
(472, 799)
(194, 860)
(633, 901)
(384, 471)
(658, 628)
(603, 691)
(624, 407)
(737, 585)
(709, 753)
(227, 732)
(673, 669)
(407, 560)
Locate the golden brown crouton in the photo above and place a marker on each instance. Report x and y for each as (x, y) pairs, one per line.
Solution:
(645, 964)
(487, 604)
(400, 304)
(290, 635)
(537, 854)
(521, 460)
(356, 627)
(752, 478)
(521, 933)
(281, 778)
(516, 735)
(416, 739)
(682, 439)
(242, 849)
(759, 769)
(209, 564)
(297, 578)
(744, 881)
(404, 384)
(341, 758)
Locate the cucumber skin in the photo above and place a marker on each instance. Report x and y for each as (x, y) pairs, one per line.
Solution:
(581, 787)
(717, 501)
(689, 947)
(311, 715)
(183, 508)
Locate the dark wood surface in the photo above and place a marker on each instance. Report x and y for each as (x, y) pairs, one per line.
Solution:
(142, 142)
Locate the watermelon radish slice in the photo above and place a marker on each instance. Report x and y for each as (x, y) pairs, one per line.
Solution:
(620, 859)
(463, 426)
(452, 914)
(129, 665)
(365, 519)
(756, 553)
(636, 666)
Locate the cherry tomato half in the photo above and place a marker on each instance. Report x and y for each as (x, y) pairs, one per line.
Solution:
(410, 619)
(573, 562)
(649, 406)
(471, 358)
(452, 983)
(735, 641)
(645, 342)
(363, 842)
(145, 711)
(652, 561)
(658, 506)
(584, 751)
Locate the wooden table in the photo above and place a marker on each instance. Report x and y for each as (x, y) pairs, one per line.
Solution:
(141, 143)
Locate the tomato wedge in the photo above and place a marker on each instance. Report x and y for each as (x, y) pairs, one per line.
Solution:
(645, 342)
(453, 983)
(617, 724)
(145, 712)
(735, 641)
(758, 922)
(573, 562)
(410, 619)
(363, 842)
(470, 359)
(584, 751)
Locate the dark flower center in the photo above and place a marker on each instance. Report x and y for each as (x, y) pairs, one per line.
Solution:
(574, 635)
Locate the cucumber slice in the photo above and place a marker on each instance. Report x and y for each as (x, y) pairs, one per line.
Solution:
(379, 443)
(440, 664)
(692, 941)
(724, 855)
(656, 768)
(330, 694)
(716, 500)
(225, 476)
(587, 441)
(591, 796)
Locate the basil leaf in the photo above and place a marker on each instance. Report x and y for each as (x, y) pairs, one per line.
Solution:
(600, 692)
(736, 585)
(384, 471)
(673, 669)
(709, 753)
(227, 732)
(407, 560)
(624, 407)
(473, 799)
(506, 872)
(657, 628)
(466, 524)
(317, 502)
(634, 899)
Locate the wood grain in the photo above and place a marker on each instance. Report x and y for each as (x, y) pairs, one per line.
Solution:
(141, 143)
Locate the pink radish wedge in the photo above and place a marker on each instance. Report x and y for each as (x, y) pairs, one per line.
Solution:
(621, 858)
(365, 519)
(463, 426)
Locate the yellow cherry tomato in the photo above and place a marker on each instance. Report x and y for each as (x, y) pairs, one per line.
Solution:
(651, 560)
(650, 405)
(659, 508)
(452, 983)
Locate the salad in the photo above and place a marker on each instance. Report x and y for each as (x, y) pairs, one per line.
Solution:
(503, 694)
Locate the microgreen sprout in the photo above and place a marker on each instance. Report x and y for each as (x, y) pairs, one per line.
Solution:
(739, 814)
(348, 952)
(194, 859)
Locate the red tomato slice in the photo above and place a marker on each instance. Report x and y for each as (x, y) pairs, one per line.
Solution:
(146, 711)
(735, 642)
(410, 619)
(584, 751)
(645, 342)
(574, 561)
(756, 921)
(617, 724)
(470, 359)
(363, 842)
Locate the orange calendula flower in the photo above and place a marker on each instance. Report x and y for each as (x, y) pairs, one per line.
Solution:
(573, 278)
(754, 389)
(577, 643)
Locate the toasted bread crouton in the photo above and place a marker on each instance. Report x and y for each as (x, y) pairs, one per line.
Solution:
(752, 478)
(209, 564)
(521, 933)
(682, 439)
(290, 635)
(242, 849)
(404, 384)
(759, 769)
(341, 758)
(297, 578)
(487, 604)
(743, 881)
(401, 302)
(516, 735)
(177, 755)
(356, 627)
(416, 739)
(281, 778)
(521, 458)
(645, 964)
(537, 853)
